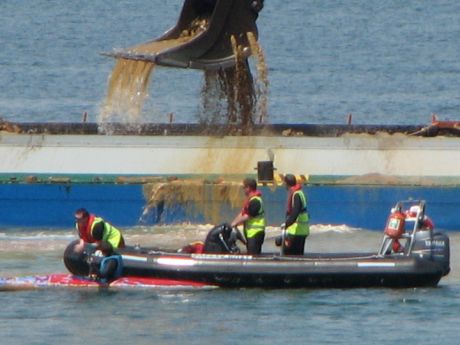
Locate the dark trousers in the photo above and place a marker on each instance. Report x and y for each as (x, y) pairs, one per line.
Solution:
(254, 244)
(294, 245)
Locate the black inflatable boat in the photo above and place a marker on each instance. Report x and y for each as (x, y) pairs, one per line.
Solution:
(420, 258)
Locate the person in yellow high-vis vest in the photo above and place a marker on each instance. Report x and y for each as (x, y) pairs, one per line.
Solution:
(252, 216)
(297, 219)
(105, 238)
(93, 229)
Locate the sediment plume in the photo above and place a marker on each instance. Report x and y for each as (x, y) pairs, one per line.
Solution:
(127, 90)
(129, 80)
(197, 197)
(228, 97)
(261, 81)
(228, 94)
(231, 96)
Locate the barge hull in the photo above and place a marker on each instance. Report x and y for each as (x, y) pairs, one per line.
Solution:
(352, 173)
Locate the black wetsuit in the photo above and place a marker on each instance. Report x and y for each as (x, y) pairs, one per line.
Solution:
(221, 239)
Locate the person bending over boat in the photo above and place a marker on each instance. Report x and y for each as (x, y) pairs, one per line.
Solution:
(106, 238)
(296, 223)
(252, 216)
(222, 240)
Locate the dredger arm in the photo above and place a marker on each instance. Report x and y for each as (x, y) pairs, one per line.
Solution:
(201, 38)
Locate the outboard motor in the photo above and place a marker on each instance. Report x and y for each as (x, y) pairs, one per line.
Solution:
(433, 246)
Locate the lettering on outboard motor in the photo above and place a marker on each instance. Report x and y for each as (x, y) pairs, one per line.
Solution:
(437, 248)
(435, 243)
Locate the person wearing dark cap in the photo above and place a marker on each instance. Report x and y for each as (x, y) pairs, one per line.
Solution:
(296, 223)
(106, 237)
(93, 229)
(252, 216)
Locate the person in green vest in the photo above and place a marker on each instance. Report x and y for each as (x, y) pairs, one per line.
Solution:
(252, 216)
(105, 238)
(94, 229)
(297, 219)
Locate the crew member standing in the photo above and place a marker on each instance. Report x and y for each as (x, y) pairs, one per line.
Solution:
(296, 223)
(252, 216)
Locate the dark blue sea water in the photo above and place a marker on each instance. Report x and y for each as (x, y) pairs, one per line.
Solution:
(232, 317)
(386, 62)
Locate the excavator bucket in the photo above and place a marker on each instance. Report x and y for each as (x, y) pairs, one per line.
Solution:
(201, 39)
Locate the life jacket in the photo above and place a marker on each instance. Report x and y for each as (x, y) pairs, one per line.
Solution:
(111, 234)
(427, 223)
(254, 225)
(300, 226)
(192, 248)
(85, 233)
